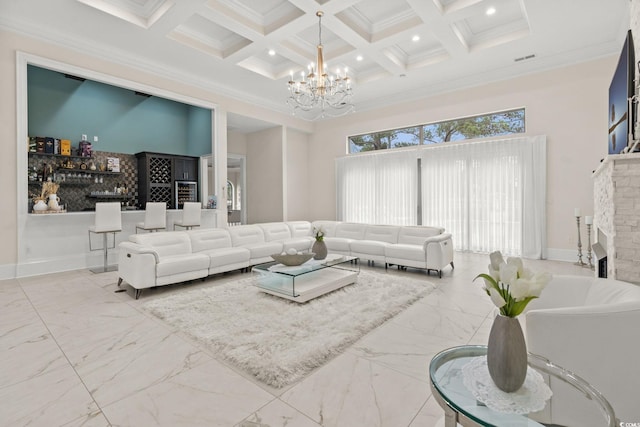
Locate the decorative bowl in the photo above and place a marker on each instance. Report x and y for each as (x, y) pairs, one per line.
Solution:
(292, 260)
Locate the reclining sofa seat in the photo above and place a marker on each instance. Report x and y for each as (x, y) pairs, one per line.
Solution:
(252, 237)
(343, 234)
(375, 242)
(156, 259)
(281, 232)
(216, 244)
(423, 247)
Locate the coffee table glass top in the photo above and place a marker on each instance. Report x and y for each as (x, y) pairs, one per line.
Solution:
(332, 260)
(460, 406)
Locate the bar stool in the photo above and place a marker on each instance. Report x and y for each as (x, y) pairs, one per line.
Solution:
(190, 216)
(155, 217)
(108, 220)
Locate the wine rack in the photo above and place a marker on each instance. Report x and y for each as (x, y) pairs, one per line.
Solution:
(154, 178)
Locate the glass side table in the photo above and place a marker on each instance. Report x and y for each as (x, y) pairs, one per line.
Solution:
(460, 406)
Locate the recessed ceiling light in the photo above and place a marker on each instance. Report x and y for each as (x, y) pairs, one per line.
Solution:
(490, 11)
(359, 58)
(272, 52)
(415, 38)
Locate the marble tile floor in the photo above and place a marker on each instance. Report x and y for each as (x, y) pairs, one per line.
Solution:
(75, 353)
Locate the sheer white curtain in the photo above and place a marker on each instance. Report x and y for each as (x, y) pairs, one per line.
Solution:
(378, 188)
(489, 195)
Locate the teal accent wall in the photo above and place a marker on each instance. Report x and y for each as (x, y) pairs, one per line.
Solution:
(199, 131)
(124, 122)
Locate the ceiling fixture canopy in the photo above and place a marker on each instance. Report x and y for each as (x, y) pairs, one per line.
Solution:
(318, 94)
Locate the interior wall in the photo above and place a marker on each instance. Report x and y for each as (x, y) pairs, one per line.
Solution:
(297, 177)
(124, 122)
(569, 105)
(199, 131)
(237, 143)
(264, 176)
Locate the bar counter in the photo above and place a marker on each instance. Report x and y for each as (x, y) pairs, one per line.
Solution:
(60, 241)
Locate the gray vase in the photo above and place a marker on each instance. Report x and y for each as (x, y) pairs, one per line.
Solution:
(507, 354)
(319, 248)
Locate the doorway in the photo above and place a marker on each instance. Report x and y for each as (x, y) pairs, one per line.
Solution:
(236, 189)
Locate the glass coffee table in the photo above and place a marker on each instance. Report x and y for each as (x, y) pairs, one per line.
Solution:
(309, 280)
(461, 407)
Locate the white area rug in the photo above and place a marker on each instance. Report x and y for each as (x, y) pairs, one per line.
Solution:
(279, 341)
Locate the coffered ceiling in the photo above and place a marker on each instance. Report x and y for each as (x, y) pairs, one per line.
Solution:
(395, 50)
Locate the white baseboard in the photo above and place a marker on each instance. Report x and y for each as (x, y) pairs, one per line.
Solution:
(568, 255)
(60, 264)
(7, 271)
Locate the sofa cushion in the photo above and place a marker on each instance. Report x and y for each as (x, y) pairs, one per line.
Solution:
(404, 251)
(350, 230)
(227, 256)
(262, 250)
(300, 228)
(166, 243)
(177, 264)
(301, 244)
(243, 235)
(418, 234)
(338, 244)
(275, 231)
(329, 227)
(209, 238)
(382, 233)
(369, 247)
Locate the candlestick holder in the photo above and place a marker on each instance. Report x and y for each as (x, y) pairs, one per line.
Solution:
(589, 255)
(580, 262)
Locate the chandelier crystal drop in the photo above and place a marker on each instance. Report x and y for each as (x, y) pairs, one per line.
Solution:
(318, 94)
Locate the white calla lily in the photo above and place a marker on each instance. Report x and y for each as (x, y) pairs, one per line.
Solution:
(496, 259)
(496, 298)
(510, 285)
(508, 273)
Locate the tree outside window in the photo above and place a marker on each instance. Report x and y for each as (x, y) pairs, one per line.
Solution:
(483, 126)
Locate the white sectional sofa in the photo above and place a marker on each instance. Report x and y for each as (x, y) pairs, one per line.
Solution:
(156, 259)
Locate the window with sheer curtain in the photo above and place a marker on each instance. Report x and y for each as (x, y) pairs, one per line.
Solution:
(489, 195)
(378, 188)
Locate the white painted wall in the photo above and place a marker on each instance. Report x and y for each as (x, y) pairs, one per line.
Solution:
(297, 176)
(569, 105)
(236, 143)
(264, 176)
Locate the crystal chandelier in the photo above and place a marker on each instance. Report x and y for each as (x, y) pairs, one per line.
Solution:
(318, 94)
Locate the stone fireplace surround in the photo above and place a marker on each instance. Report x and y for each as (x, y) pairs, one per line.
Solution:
(616, 191)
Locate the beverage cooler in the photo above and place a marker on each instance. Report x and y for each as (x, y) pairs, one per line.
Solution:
(186, 191)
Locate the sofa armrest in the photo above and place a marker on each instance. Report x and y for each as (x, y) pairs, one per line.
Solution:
(438, 251)
(134, 248)
(437, 239)
(137, 265)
